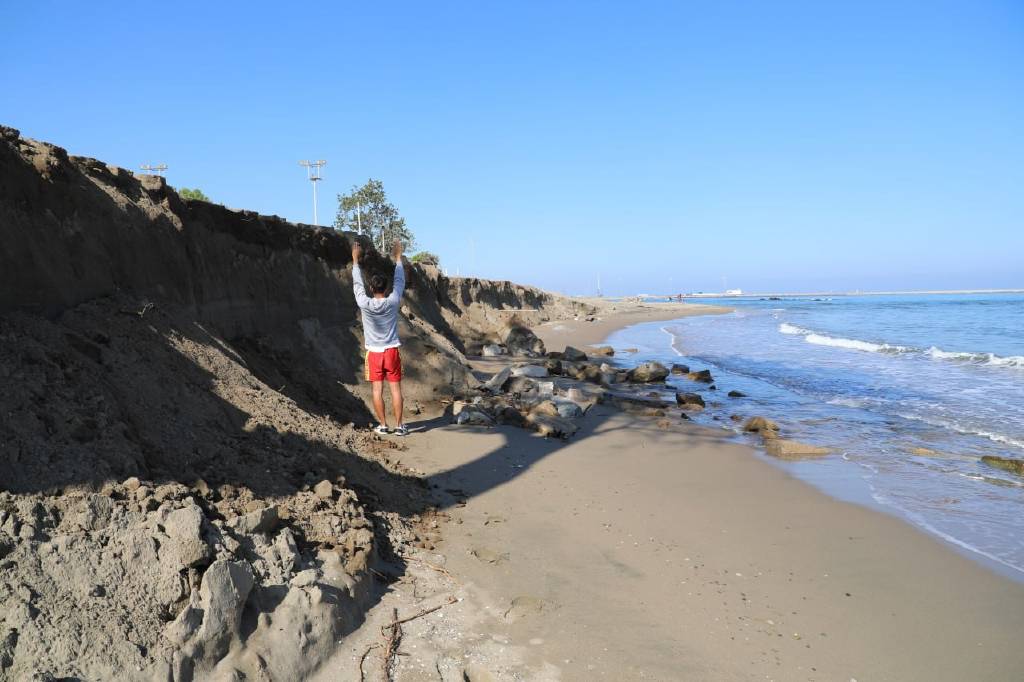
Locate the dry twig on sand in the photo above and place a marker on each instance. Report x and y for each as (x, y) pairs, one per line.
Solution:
(451, 600)
(392, 633)
(394, 639)
(362, 660)
(434, 567)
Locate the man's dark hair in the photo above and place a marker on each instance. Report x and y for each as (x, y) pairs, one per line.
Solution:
(378, 283)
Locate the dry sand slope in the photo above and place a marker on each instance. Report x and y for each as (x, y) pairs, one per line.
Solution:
(182, 494)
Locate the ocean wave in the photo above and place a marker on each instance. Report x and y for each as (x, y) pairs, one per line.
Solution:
(819, 339)
(977, 358)
(965, 430)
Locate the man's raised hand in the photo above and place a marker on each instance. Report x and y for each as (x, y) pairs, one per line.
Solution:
(357, 252)
(396, 250)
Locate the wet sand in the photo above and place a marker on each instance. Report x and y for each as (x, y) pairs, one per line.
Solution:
(638, 552)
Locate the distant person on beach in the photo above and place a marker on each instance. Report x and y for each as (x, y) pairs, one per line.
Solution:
(380, 335)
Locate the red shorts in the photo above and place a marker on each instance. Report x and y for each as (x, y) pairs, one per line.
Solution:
(384, 366)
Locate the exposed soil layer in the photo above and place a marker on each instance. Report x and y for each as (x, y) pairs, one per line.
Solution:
(183, 486)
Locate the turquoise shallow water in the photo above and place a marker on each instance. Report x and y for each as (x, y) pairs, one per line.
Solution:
(874, 377)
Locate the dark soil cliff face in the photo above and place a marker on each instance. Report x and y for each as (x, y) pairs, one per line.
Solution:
(168, 370)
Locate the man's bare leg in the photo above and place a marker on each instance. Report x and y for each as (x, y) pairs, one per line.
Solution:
(378, 402)
(396, 401)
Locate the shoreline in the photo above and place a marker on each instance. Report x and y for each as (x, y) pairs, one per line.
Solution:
(830, 478)
(612, 316)
(654, 549)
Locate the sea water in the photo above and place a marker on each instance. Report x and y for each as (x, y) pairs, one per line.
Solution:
(908, 391)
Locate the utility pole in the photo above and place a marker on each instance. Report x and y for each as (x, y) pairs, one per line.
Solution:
(313, 173)
(155, 170)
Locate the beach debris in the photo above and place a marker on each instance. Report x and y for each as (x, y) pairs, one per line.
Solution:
(703, 376)
(737, 394)
(680, 369)
(492, 350)
(648, 372)
(573, 354)
(1014, 466)
(791, 449)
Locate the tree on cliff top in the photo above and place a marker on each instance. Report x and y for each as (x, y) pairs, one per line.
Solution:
(426, 258)
(186, 193)
(366, 210)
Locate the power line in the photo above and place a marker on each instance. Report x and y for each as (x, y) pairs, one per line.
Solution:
(313, 173)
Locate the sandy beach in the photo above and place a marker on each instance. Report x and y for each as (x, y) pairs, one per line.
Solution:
(634, 551)
(612, 315)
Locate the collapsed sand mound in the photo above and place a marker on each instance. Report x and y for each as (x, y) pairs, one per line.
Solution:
(245, 532)
(182, 491)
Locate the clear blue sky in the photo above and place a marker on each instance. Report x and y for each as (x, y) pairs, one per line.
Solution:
(662, 146)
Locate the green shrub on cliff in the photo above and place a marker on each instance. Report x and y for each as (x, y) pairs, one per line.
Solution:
(196, 193)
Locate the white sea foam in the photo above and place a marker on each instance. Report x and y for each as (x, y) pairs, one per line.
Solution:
(1016, 361)
(787, 328)
(819, 339)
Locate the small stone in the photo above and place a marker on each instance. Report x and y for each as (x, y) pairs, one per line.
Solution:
(260, 521)
(131, 484)
(737, 394)
(703, 376)
(324, 490)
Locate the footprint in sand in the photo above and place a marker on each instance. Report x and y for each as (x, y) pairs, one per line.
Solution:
(524, 606)
(488, 556)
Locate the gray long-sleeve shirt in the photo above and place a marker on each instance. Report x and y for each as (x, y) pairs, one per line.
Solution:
(380, 315)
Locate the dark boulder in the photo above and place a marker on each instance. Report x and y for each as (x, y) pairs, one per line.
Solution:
(573, 354)
(522, 341)
(689, 399)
